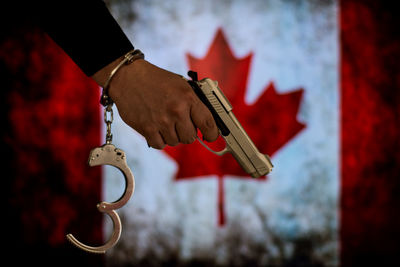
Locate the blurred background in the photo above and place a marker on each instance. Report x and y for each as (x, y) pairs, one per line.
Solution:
(314, 83)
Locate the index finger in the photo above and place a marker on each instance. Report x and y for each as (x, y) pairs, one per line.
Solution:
(203, 120)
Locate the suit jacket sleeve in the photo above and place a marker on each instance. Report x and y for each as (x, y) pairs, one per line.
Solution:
(85, 30)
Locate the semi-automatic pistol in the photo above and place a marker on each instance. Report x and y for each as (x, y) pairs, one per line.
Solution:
(238, 143)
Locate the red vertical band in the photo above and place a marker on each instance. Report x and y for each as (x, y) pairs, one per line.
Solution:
(50, 124)
(370, 132)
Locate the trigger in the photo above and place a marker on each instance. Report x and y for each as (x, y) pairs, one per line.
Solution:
(218, 153)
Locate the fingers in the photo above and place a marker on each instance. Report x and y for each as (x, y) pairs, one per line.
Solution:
(155, 141)
(182, 133)
(203, 120)
(170, 136)
(186, 131)
(180, 129)
(171, 132)
(190, 115)
(184, 128)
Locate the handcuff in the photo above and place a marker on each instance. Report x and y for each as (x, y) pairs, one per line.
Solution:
(108, 154)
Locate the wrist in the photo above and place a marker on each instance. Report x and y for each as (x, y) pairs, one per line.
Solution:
(105, 77)
(101, 76)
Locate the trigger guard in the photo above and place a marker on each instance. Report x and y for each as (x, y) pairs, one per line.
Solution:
(218, 153)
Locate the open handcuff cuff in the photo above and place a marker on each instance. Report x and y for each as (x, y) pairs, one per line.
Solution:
(108, 154)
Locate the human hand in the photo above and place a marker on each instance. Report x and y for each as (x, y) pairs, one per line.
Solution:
(158, 104)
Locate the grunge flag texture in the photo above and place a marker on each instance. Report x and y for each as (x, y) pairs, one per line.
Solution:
(314, 83)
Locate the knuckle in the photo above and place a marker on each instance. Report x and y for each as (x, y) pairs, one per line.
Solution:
(173, 144)
(190, 96)
(155, 143)
(170, 137)
(178, 110)
(210, 130)
(148, 130)
(164, 121)
(173, 141)
(189, 140)
(158, 146)
(213, 138)
(209, 122)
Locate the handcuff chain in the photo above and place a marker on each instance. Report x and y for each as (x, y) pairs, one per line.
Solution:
(108, 121)
(106, 100)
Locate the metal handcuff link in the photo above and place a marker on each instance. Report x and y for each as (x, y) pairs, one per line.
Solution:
(108, 154)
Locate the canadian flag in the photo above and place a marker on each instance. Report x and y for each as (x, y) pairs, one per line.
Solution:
(314, 83)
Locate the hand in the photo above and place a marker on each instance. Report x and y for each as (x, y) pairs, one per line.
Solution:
(158, 104)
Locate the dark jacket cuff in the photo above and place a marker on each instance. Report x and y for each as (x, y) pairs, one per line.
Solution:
(86, 31)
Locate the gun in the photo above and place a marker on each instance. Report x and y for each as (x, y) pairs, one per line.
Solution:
(238, 143)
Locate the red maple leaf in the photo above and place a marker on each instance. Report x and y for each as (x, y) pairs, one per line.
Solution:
(270, 121)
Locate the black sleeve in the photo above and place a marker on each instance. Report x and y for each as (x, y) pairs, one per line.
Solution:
(85, 30)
